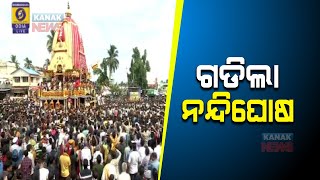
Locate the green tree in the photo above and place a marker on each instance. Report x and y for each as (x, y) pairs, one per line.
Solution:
(132, 76)
(122, 83)
(145, 69)
(28, 63)
(139, 67)
(112, 60)
(102, 73)
(14, 60)
(115, 89)
(46, 63)
(50, 40)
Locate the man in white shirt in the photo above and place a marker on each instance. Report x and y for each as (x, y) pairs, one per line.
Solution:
(49, 145)
(157, 150)
(43, 172)
(15, 145)
(134, 161)
(30, 155)
(96, 154)
(127, 151)
(86, 154)
(81, 135)
(123, 133)
(124, 175)
(61, 137)
(16, 151)
(102, 134)
(150, 149)
(146, 135)
(142, 150)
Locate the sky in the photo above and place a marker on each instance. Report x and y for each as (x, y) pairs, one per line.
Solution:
(146, 24)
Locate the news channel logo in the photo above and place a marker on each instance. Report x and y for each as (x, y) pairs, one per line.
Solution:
(45, 22)
(277, 142)
(20, 17)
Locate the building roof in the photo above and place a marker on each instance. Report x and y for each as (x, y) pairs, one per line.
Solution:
(29, 71)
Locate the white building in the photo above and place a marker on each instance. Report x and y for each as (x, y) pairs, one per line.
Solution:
(24, 80)
(6, 68)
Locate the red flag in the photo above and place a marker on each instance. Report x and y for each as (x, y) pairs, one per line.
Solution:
(77, 83)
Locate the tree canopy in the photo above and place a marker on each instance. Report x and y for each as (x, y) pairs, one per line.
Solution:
(28, 63)
(108, 65)
(46, 63)
(102, 72)
(112, 60)
(139, 67)
(13, 59)
(50, 40)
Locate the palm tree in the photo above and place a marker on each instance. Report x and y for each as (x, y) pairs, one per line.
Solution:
(115, 89)
(102, 71)
(14, 60)
(28, 63)
(50, 40)
(112, 61)
(46, 63)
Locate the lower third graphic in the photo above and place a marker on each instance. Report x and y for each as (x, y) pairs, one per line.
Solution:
(277, 142)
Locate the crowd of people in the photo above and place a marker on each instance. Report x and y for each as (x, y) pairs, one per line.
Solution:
(116, 140)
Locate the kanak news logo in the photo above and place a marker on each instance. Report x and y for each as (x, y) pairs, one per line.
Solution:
(277, 142)
(20, 17)
(45, 22)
